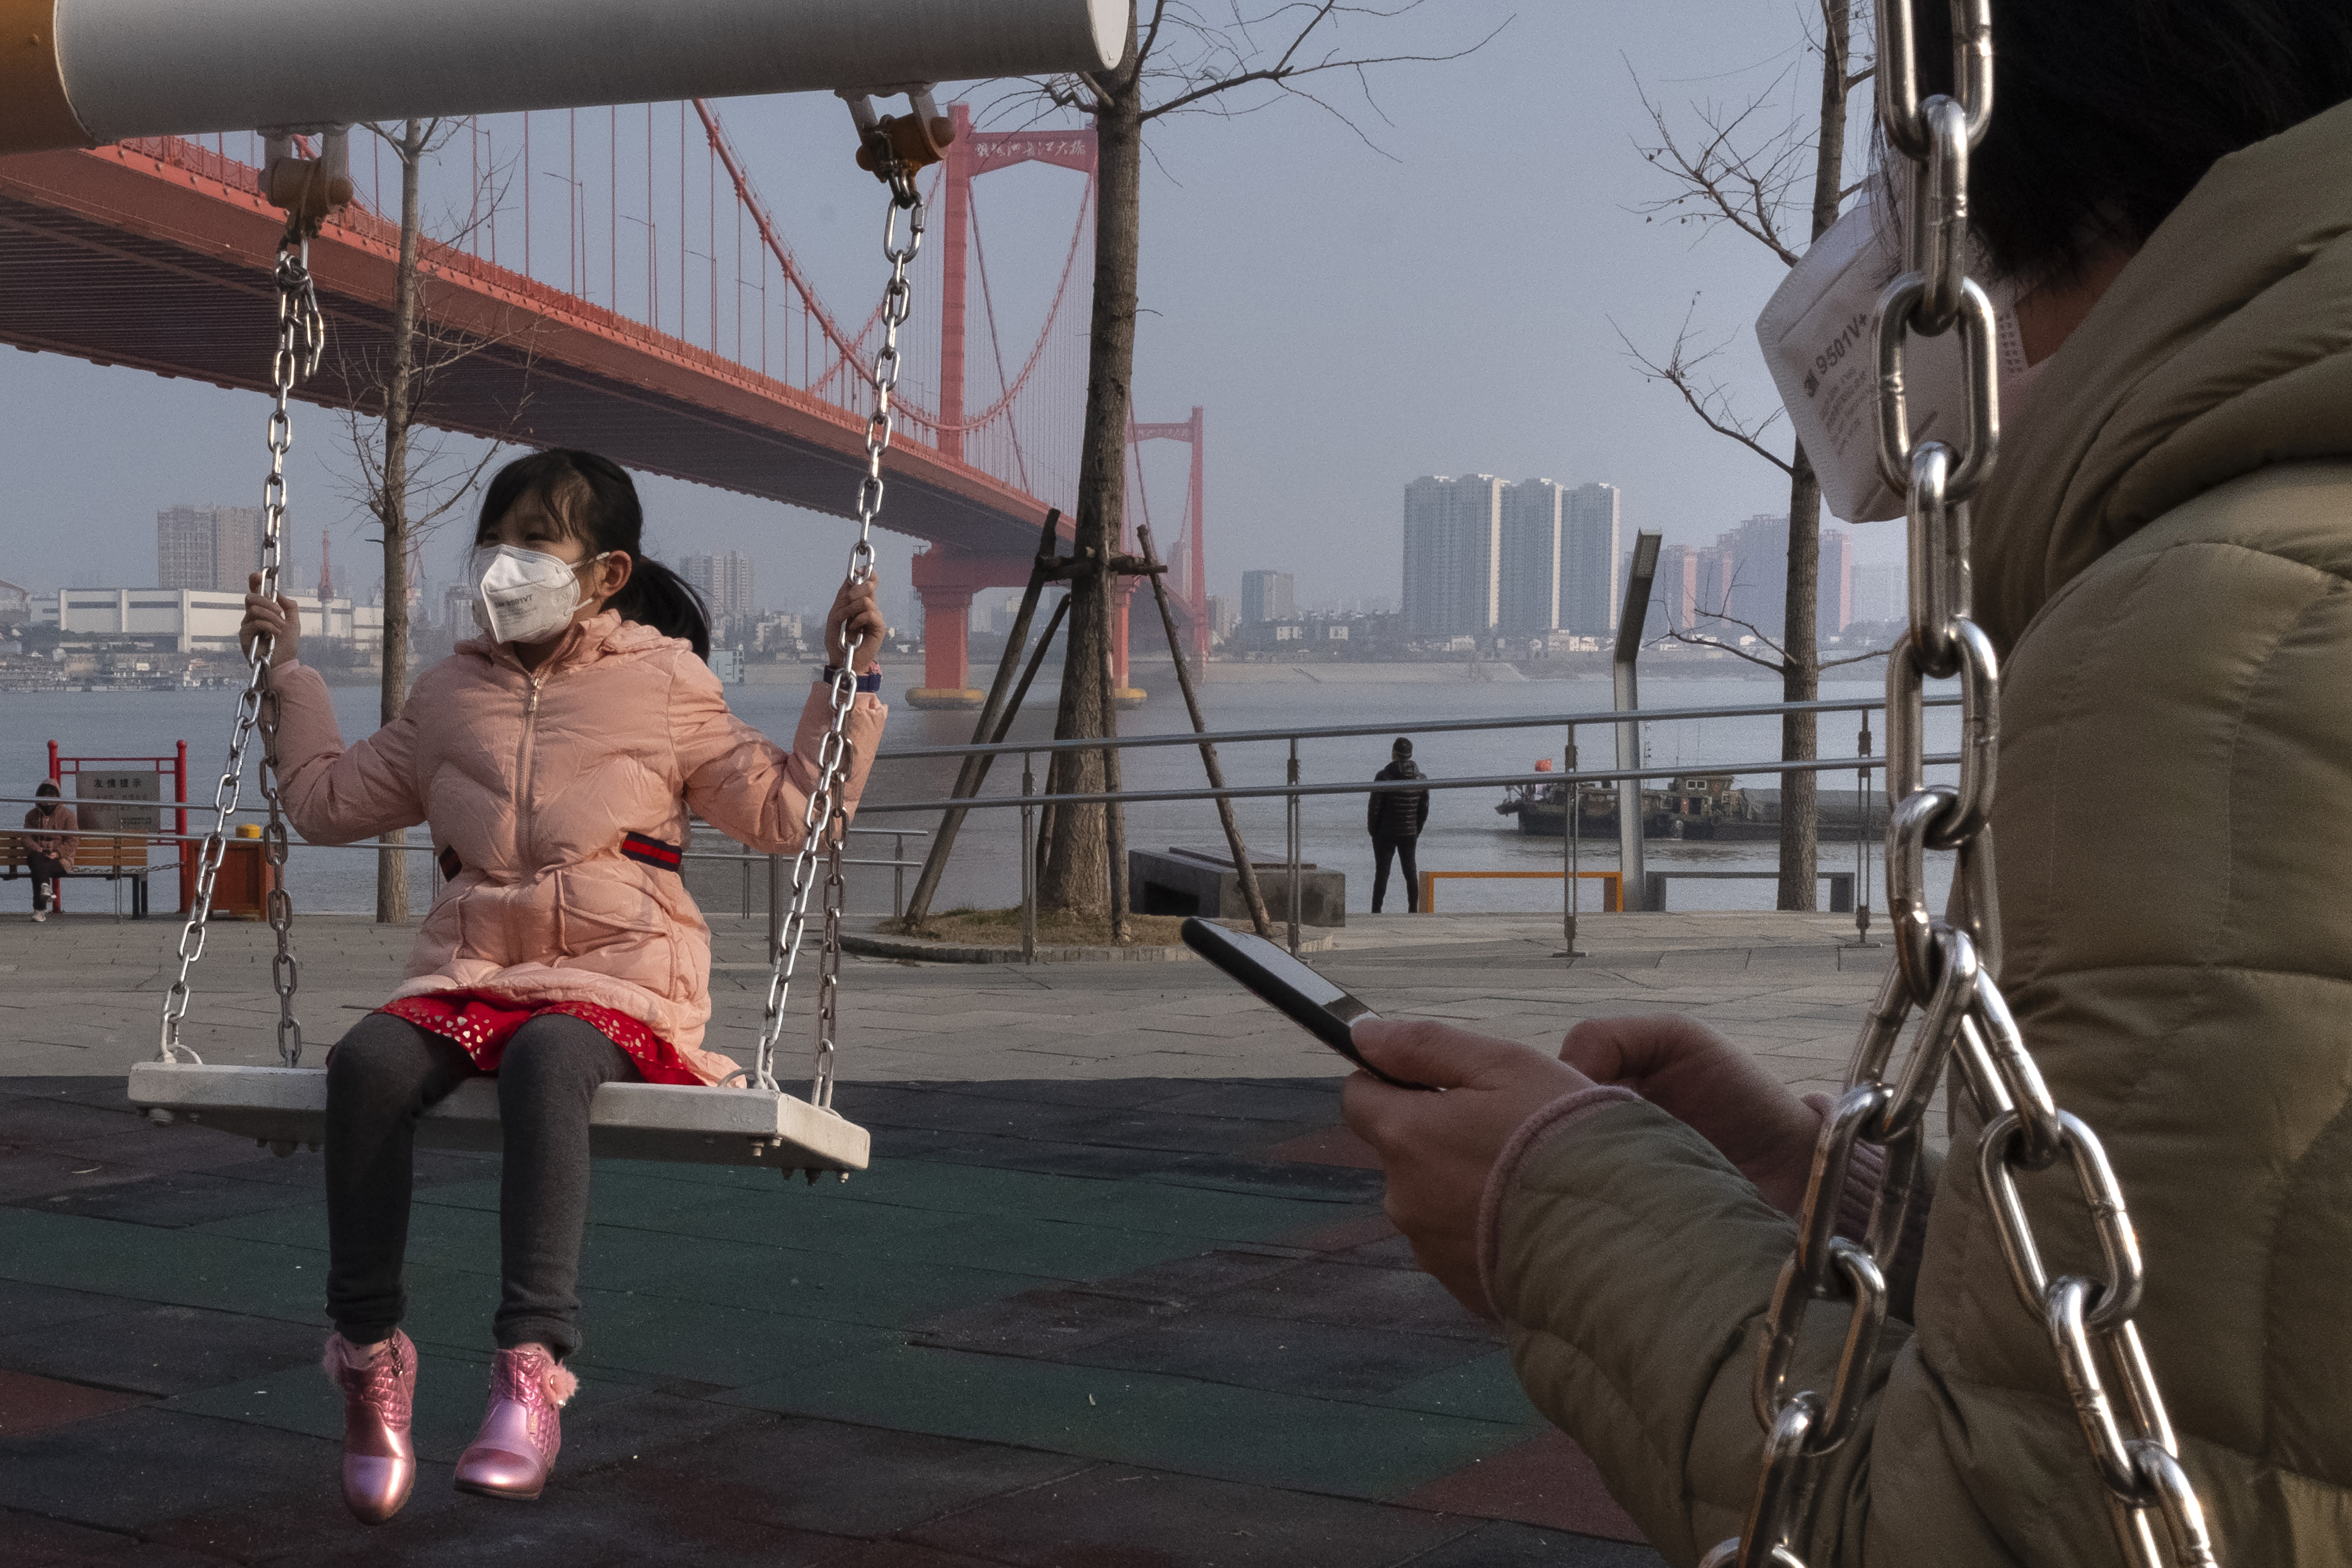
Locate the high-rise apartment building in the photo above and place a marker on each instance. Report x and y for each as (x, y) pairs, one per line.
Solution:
(1879, 591)
(1833, 595)
(1589, 587)
(1531, 565)
(207, 547)
(1741, 582)
(1454, 555)
(723, 580)
(1266, 596)
(1677, 591)
(1222, 616)
(1751, 576)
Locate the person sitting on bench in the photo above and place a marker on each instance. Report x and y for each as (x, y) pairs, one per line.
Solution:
(48, 846)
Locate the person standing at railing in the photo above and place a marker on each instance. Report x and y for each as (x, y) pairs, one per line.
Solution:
(1394, 819)
(49, 842)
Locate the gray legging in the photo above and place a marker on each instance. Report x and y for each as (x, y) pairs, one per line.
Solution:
(380, 1078)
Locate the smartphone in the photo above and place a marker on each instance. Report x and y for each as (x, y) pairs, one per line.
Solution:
(1309, 1000)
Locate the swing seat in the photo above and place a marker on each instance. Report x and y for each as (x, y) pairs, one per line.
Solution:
(691, 1124)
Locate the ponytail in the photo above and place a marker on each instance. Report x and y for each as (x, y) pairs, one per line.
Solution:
(660, 598)
(597, 503)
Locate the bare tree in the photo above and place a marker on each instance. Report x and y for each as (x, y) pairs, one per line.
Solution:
(1739, 168)
(406, 483)
(1181, 58)
(1775, 656)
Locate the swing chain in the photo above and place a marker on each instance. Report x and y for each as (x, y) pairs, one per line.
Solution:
(829, 957)
(1945, 968)
(302, 335)
(823, 819)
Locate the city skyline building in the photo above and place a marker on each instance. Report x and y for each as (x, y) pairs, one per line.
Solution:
(1834, 595)
(724, 581)
(208, 548)
(1740, 583)
(1484, 557)
(1879, 593)
(1453, 555)
(1266, 596)
(1533, 570)
(1677, 588)
(1592, 534)
(194, 620)
(1751, 584)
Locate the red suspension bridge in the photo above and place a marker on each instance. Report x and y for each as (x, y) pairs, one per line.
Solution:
(691, 342)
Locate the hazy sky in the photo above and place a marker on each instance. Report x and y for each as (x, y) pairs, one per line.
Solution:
(1446, 299)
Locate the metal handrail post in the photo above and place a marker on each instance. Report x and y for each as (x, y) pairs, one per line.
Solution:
(898, 877)
(1862, 839)
(1292, 825)
(1028, 863)
(1632, 886)
(1568, 847)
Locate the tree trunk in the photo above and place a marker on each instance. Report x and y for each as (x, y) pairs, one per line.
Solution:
(391, 506)
(1801, 630)
(1076, 877)
(1800, 682)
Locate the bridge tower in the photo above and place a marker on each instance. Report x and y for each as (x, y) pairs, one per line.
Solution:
(946, 580)
(1188, 557)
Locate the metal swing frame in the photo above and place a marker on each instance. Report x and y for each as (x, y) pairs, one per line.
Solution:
(755, 1123)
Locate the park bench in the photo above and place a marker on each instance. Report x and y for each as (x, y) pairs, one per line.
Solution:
(116, 856)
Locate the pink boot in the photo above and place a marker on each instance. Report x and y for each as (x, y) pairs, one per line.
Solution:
(514, 1453)
(379, 1384)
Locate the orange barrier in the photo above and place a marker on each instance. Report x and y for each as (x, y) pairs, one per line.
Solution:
(1609, 900)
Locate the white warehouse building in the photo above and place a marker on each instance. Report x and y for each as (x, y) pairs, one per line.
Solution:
(194, 620)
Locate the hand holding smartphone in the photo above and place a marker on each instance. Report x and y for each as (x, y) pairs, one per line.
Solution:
(1307, 999)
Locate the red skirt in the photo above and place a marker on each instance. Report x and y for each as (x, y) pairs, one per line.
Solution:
(483, 1023)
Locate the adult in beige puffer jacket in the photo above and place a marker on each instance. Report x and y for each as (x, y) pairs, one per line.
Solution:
(2164, 559)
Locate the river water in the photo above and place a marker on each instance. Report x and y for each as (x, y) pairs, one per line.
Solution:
(1464, 834)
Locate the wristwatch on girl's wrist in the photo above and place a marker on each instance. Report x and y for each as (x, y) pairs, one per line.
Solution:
(870, 681)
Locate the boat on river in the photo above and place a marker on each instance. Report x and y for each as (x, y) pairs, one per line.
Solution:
(1705, 806)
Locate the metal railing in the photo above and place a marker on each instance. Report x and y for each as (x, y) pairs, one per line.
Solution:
(898, 862)
(1292, 791)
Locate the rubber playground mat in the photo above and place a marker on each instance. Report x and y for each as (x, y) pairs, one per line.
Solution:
(1133, 1322)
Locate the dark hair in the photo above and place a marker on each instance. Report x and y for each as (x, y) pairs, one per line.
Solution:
(596, 502)
(1404, 748)
(2107, 112)
(45, 788)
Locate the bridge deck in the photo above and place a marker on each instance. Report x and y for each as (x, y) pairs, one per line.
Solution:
(155, 256)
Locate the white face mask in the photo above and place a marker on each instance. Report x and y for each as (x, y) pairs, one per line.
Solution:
(1816, 336)
(525, 596)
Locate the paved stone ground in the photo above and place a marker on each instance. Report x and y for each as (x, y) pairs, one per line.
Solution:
(1116, 1291)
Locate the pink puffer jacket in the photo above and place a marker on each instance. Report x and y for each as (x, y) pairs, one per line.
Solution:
(533, 780)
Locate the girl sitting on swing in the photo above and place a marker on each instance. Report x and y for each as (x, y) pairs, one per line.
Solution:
(556, 759)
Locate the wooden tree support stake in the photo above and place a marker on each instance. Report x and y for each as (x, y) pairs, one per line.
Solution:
(1241, 865)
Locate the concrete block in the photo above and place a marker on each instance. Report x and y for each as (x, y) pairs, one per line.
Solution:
(1184, 882)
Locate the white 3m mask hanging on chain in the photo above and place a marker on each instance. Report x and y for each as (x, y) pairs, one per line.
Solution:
(1816, 335)
(525, 596)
